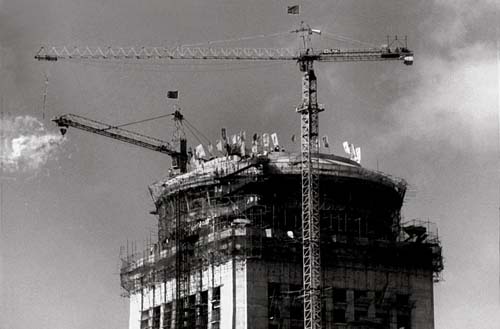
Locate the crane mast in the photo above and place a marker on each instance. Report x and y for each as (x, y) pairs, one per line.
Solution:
(308, 109)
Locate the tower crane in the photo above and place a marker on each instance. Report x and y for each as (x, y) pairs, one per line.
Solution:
(179, 157)
(179, 162)
(308, 109)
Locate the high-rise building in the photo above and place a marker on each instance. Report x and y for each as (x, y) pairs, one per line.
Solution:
(229, 249)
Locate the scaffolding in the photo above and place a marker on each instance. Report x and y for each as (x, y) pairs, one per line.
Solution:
(232, 210)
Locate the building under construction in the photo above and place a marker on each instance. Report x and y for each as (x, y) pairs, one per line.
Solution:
(229, 249)
(273, 240)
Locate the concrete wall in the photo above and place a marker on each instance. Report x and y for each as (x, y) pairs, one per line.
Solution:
(244, 296)
(230, 276)
(416, 284)
(422, 287)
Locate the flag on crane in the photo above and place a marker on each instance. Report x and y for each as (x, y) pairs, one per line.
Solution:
(173, 94)
(293, 10)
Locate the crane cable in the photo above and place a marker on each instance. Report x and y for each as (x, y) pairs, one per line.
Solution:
(141, 121)
(191, 127)
(258, 36)
(194, 134)
(343, 38)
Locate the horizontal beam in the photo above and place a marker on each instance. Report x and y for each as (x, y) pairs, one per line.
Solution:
(206, 53)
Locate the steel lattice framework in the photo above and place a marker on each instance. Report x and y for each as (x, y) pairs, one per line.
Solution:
(205, 53)
(308, 109)
(179, 157)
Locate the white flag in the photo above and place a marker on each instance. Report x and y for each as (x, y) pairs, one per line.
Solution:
(219, 145)
(346, 147)
(325, 142)
(274, 137)
(255, 149)
(358, 155)
(200, 151)
(242, 149)
(352, 151)
(265, 140)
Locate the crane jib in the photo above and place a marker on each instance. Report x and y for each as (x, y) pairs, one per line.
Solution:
(208, 53)
(82, 123)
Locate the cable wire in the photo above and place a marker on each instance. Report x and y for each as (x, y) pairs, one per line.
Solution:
(343, 38)
(144, 120)
(199, 132)
(258, 36)
(194, 135)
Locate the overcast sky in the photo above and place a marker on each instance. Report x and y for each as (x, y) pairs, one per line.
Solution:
(68, 205)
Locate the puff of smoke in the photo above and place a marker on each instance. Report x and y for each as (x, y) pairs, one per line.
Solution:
(26, 145)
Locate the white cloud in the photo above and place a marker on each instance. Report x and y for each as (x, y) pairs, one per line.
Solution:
(453, 19)
(26, 146)
(454, 100)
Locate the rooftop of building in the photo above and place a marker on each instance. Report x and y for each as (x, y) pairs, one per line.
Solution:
(213, 171)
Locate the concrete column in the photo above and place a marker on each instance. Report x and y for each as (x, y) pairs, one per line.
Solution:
(422, 294)
(372, 310)
(174, 313)
(393, 318)
(349, 312)
(135, 311)
(210, 294)
(328, 312)
(198, 307)
(257, 300)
